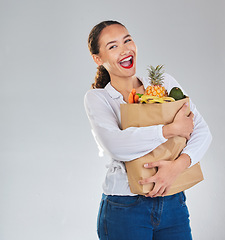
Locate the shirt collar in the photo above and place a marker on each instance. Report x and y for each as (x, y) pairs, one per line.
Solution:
(115, 94)
(112, 91)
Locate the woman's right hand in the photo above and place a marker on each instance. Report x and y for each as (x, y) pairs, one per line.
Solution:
(182, 124)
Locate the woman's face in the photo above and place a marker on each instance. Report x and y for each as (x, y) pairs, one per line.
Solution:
(117, 52)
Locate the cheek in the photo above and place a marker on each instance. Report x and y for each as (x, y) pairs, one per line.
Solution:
(111, 66)
(112, 58)
(134, 48)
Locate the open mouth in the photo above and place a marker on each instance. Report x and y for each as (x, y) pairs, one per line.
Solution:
(127, 62)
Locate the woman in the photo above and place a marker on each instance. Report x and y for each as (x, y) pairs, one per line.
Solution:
(122, 214)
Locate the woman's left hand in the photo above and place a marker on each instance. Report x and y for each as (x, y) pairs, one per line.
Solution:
(166, 174)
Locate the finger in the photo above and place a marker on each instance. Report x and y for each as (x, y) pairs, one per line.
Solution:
(151, 193)
(166, 191)
(152, 164)
(155, 191)
(184, 107)
(147, 180)
(160, 192)
(188, 137)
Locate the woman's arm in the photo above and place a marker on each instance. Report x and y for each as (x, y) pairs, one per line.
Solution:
(122, 145)
(166, 174)
(201, 137)
(182, 124)
(197, 145)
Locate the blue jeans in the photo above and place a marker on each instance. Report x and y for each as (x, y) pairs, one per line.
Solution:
(143, 218)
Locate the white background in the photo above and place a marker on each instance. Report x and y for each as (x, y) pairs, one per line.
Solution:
(50, 172)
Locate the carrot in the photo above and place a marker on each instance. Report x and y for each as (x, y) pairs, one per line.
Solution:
(133, 91)
(131, 98)
(136, 98)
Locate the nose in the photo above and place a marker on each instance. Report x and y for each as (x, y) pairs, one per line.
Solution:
(124, 50)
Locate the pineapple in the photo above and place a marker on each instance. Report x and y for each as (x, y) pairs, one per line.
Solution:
(156, 76)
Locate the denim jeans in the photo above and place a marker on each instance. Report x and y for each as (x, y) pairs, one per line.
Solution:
(143, 218)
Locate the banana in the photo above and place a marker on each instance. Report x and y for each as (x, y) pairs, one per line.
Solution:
(156, 100)
(152, 99)
(145, 97)
(168, 99)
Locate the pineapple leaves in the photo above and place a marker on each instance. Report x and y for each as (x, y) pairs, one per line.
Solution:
(156, 74)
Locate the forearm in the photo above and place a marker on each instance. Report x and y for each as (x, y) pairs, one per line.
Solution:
(182, 162)
(198, 144)
(129, 144)
(168, 131)
(200, 139)
(122, 145)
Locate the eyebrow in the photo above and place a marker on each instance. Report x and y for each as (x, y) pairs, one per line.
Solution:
(128, 35)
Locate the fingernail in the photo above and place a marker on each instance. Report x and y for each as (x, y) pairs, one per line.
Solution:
(146, 165)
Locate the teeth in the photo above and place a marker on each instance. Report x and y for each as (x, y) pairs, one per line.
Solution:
(126, 59)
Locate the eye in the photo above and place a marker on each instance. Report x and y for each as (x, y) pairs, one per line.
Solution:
(128, 40)
(113, 46)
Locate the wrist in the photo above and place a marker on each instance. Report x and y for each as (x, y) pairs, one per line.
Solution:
(183, 162)
(168, 131)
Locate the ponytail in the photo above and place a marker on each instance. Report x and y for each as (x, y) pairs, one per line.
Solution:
(102, 78)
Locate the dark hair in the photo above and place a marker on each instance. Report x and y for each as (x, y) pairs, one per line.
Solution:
(102, 76)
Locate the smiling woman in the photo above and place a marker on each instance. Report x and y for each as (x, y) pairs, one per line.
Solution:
(122, 214)
(114, 52)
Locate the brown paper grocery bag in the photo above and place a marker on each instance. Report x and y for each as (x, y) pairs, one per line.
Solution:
(141, 115)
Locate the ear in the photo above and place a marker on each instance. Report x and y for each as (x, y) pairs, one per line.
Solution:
(97, 59)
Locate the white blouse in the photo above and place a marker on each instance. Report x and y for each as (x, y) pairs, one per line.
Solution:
(103, 110)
